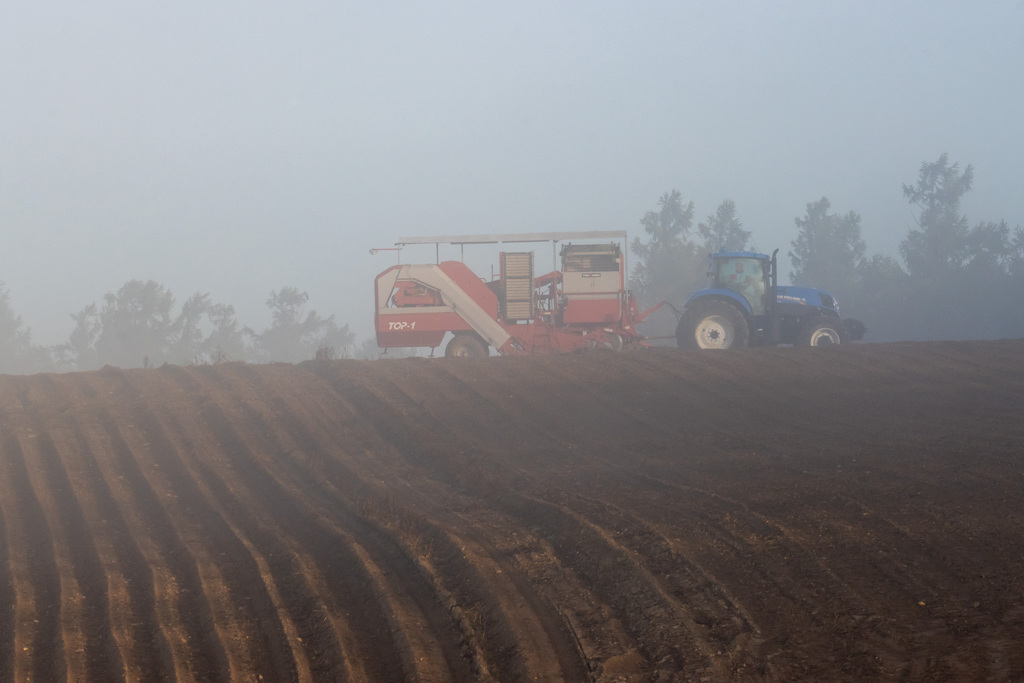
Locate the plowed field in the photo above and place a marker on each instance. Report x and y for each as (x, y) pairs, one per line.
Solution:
(845, 513)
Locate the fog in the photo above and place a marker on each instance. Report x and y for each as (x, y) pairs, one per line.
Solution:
(237, 148)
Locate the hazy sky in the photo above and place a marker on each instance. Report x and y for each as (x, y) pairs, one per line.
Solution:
(239, 147)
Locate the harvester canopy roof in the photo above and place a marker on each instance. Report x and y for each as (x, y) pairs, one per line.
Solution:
(514, 237)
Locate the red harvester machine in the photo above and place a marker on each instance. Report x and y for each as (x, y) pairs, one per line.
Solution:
(583, 305)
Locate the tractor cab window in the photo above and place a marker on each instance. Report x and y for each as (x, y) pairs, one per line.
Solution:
(746, 276)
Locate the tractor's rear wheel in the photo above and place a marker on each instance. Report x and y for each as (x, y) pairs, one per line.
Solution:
(715, 325)
(465, 346)
(821, 332)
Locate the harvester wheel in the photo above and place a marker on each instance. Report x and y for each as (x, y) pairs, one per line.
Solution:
(612, 341)
(465, 346)
(715, 325)
(821, 332)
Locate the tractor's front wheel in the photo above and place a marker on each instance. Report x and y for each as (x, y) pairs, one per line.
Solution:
(821, 332)
(715, 325)
(465, 346)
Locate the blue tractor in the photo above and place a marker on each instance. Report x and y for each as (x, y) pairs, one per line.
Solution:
(743, 305)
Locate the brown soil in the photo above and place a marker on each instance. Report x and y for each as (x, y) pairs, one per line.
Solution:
(846, 513)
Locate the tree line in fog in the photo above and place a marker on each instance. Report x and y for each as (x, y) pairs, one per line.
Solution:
(137, 326)
(949, 281)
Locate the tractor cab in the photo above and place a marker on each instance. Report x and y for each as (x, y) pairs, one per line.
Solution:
(749, 275)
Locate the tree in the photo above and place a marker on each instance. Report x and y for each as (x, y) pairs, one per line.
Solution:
(963, 283)
(723, 230)
(226, 341)
(828, 249)
(192, 344)
(989, 248)
(667, 266)
(187, 345)
(17, 352)
(292, 338)
(881, 299)
(1016, 282)
(136, 328)
(79, 353)
(939, 244)
(133, 329)
(1017, 259)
